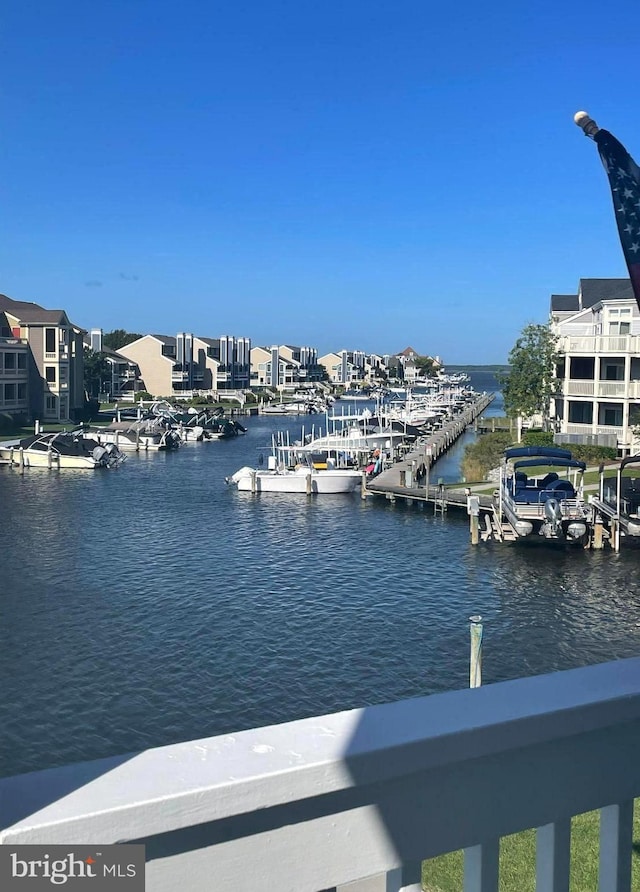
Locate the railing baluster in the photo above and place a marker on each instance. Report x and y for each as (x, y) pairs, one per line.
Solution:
(553, 856)
(616, 835)
(481, 867)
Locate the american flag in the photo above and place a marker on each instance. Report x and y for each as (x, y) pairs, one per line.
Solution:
(624, 179)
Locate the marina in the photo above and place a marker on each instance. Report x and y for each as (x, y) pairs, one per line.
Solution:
(173, 606)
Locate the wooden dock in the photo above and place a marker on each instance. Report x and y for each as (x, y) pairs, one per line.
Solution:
(409, 478)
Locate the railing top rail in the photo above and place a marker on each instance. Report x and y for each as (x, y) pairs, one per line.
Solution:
(205, 780)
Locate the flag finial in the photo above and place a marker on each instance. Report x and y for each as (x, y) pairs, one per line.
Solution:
(586, 123)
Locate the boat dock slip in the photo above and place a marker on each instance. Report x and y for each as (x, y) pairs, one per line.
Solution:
(400, 478)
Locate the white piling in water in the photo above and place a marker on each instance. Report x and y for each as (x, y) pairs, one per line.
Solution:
(475, 663)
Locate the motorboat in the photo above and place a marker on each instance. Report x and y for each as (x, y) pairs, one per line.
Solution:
(197, 426)
(61, 450)
(303, 479)
(291, 471)
(136, 436)
(547, 504)
(619, 494)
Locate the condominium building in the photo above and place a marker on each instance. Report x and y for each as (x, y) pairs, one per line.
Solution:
(124, 374)
(598, 369)
(344, 367)
(285, 366)
(172, 366)
(41, 362)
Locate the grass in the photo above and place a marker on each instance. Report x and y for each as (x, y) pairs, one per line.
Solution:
(518, 857)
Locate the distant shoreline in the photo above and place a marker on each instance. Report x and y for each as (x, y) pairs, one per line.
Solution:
(477, 368)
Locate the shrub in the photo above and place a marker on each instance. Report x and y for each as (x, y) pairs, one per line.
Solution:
(538, 438)
(483, 455)
(589, 453)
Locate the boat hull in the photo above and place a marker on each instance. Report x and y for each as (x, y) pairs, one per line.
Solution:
(300, 481)
(47, 460)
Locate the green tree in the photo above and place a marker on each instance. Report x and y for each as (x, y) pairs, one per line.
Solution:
(528, 384)
(424, 365)
(96, 372)
(119, 338)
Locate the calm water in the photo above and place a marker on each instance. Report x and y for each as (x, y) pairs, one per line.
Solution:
(154, 604)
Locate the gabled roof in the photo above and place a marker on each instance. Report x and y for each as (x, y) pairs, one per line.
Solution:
(113, 354)
(564, 303)
(592, 291)
(32, 314)
(164, 339)
(210, 342)
(408, 351)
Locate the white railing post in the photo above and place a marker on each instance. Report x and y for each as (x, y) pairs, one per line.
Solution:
(616, 836)
(553, 856)
(481, 864)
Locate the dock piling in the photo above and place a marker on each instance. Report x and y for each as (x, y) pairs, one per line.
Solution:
(475, 662)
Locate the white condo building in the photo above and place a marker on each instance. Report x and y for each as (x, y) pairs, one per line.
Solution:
(598, 370)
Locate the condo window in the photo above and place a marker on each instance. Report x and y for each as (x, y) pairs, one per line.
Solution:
(50, 340)
(9, 361)
(612, 369)
(580, 413)
(22, 392)
(610, 414)
(9, 393)
(619, 328)
(51, 403)
(582, 368)
(22, 360)
(50, 374)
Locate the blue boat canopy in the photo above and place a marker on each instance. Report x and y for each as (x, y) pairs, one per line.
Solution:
(557, 462)
(542, 451)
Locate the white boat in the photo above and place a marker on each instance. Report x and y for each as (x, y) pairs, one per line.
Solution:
(302, 479)
(292, 471)
(61, 450)
(136, 436)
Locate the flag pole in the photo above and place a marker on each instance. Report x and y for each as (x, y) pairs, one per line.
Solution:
(586, 123)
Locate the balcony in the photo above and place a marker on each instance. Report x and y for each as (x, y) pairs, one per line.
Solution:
(594, 344)
(571, 387)
(328, 801)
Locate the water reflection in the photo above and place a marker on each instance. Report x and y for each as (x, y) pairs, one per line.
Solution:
(153, 604)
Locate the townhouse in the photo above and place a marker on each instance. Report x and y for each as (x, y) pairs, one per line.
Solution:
(41, 362)
(597, 373)
(285, 366)
(173, 366)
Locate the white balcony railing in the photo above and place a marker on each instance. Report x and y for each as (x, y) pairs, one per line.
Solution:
(578, 388)
(601, 389)
(599, 344)
(326, 801)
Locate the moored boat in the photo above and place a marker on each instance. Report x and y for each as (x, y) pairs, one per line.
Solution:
(619, 494)
(135, 436)
(303, 479)
(61, 450)
(291, 471)
(545, 504)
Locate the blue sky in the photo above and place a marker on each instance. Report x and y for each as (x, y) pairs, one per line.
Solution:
(366, 175)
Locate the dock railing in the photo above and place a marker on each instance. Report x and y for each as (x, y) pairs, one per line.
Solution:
(355, 800)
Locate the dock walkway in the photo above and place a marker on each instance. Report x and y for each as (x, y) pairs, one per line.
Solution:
(401, 478)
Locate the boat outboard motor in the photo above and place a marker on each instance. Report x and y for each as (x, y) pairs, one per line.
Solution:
(100, 455)
(553, 514)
